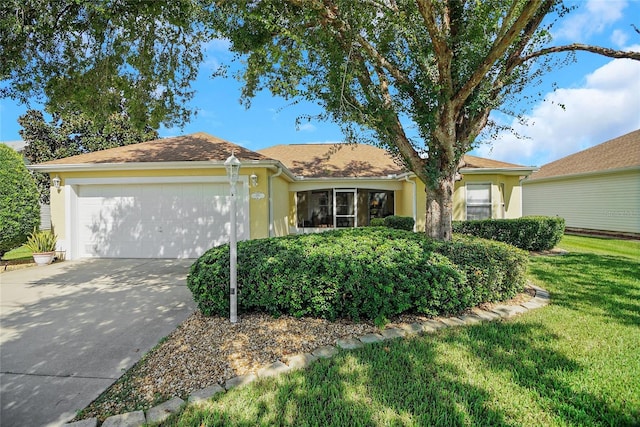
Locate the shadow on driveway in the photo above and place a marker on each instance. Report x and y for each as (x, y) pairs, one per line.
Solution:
(69, 330)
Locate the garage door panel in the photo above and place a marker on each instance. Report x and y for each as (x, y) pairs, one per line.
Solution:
(154, 220)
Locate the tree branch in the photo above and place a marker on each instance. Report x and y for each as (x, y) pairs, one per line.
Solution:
(605, 51)
(499, 47)
(443, 52)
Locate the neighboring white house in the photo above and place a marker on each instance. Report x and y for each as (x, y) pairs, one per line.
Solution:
(597, 189)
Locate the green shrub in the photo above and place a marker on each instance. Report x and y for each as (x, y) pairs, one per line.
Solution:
(376, 222)
(19, 207)
(362, 273)
(495, 271)
(399, 222)
(532, 233)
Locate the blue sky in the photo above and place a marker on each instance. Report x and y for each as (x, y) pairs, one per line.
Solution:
(601, 99)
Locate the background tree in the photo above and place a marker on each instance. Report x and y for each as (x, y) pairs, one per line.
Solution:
(421, 76)
(88, 55)
(74, 133)
(19, 208)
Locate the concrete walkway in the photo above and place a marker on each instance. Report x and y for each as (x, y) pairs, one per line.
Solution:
(69, 330)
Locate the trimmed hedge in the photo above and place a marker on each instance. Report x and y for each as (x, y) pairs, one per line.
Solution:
(531, 233)
(399, 222)
(393, 221)
(376, 222)
(494, 270)
(357, 274)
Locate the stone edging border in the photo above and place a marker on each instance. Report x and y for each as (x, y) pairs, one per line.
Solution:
(300, 361)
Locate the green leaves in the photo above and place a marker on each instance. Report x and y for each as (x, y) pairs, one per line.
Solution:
(42, 241)
(90, 55)
(359, 274)
(532, 233)
(19, 208)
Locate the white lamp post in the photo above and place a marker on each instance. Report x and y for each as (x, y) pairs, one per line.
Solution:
(232, 164)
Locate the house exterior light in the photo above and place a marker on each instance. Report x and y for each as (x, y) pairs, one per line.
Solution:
(232, 164)
(56, 182)
(254, 180)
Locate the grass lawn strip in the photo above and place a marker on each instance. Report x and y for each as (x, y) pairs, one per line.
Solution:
(16, 259)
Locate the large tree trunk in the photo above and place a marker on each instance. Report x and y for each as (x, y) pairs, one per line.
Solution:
(440, 209)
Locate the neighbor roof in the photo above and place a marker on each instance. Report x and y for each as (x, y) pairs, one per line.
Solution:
(618, 153)
(187, 148)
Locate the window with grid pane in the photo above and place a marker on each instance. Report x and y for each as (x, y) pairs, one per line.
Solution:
(478, 201)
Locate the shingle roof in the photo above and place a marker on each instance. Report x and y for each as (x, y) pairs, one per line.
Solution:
(351, 160)
(482, 163)
(308, 160)
(187, 148)
(618, 153)
(334, 160)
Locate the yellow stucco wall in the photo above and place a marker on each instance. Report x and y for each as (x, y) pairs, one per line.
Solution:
(292, 209)
(258, 206)
(512, 195)
(405, 205)
(58, 212)
(282, 206)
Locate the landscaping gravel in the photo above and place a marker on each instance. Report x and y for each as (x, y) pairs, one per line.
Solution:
(204, 351)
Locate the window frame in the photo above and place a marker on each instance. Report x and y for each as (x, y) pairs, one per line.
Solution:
(488, 204)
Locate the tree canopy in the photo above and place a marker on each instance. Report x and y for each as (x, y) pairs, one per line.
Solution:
(420, 76)
(90, 55)
(73, 133)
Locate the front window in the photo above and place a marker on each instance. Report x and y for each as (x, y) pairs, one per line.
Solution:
(328, 208)
(381, 204)
(315, 208)
(478, 201)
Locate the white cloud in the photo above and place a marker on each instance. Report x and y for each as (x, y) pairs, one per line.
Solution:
(307, 127)
(619, 38)
(213, 50)
(606, 106)
(217, 45)
(591, 18)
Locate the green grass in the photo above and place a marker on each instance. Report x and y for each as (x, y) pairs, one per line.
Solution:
(575, 362)
(601, 246)
(18, 254)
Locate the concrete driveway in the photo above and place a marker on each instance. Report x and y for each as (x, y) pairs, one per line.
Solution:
(69, 330)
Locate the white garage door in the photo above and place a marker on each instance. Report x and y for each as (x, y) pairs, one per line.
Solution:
(154, 220)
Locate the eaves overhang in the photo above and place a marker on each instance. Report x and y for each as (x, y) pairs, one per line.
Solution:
(388, 182)
(130, 166)
(520, 171)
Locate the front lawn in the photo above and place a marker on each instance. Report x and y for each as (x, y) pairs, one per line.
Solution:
(574, 362)
(601, 246)
(18, 254)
